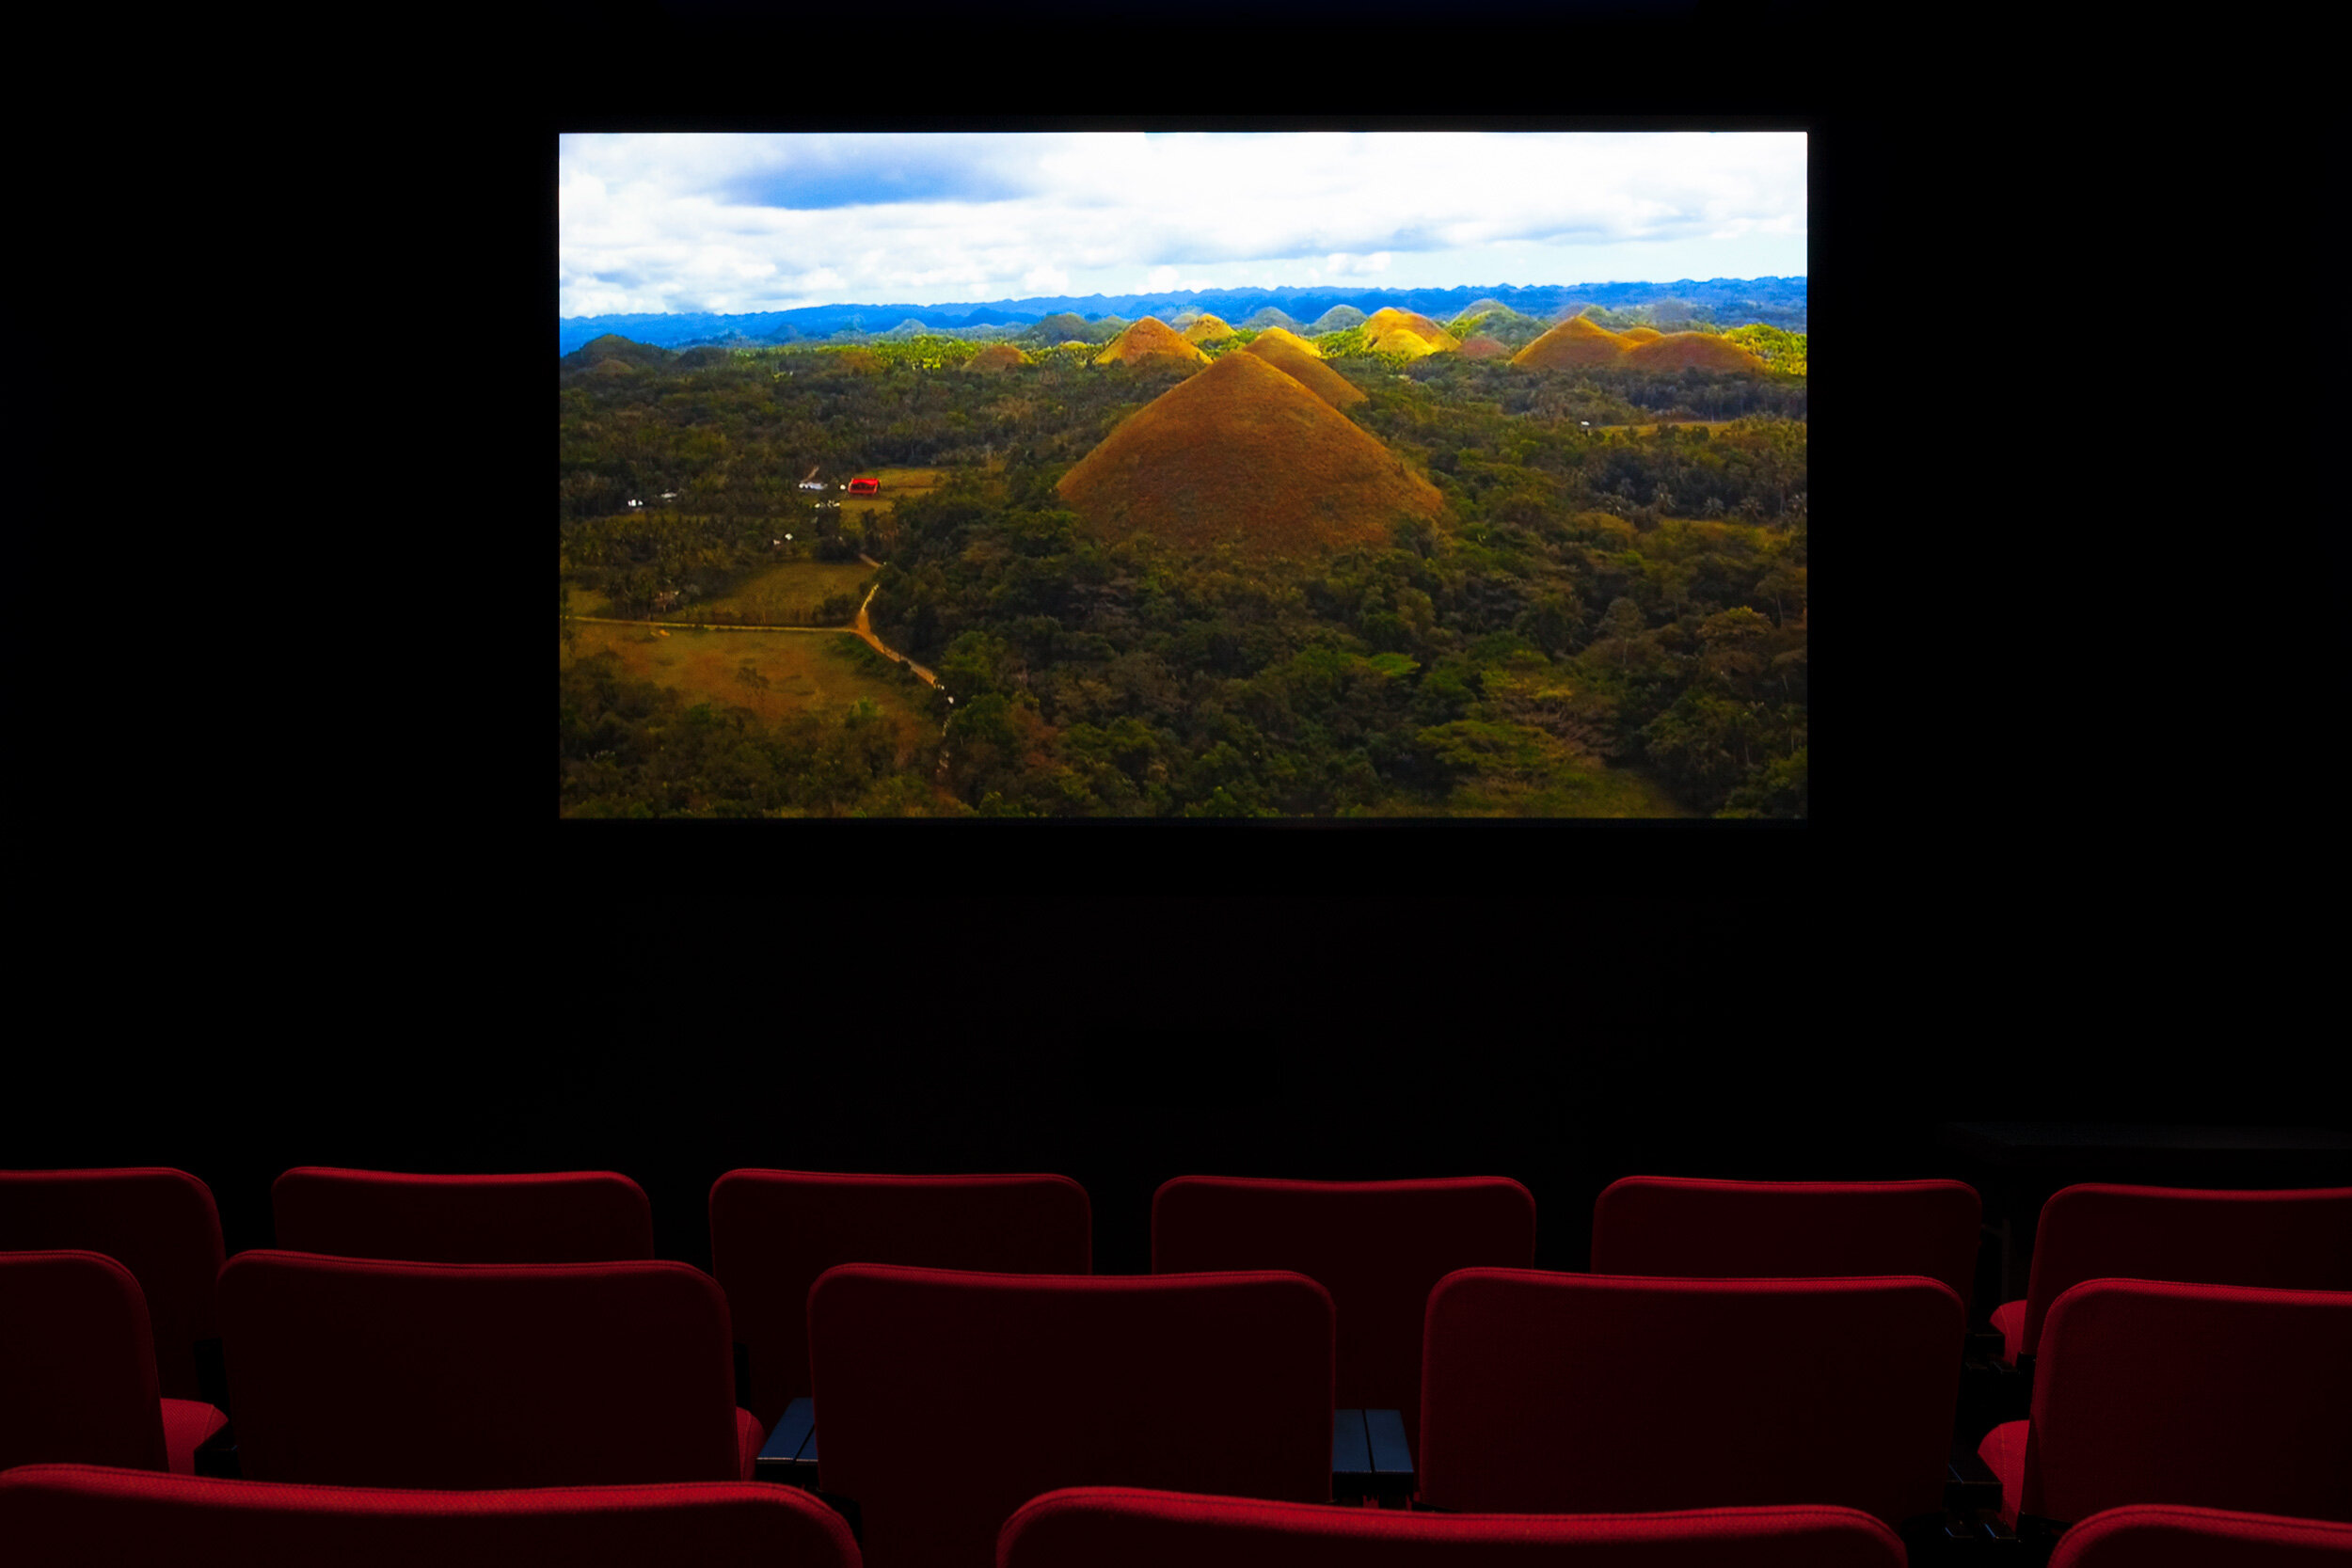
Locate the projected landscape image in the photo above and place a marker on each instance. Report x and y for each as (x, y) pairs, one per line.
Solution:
(1190, 475)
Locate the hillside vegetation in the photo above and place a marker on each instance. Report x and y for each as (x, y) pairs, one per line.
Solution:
(1584, 621)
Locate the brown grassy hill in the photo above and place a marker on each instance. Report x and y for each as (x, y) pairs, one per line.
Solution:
(1303, 345)
(613, 369)
(1482, 347)
(1640, 335)
(1302, 366)
(1574, 342)
(1390, 330)
(996, 357)
(1678, 351)
(1149, 339)
(1208, 329)
(1245, 455)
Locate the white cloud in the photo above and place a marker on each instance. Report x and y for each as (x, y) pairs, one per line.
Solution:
(667, 222)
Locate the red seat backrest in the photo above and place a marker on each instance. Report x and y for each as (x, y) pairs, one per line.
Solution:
(2218, 1396)
(1686, 1228)
(1380, 1248)
(588, 1216)
(1090, 1526)
(359, 1371)
(161, 1224)
(77, 1363)
(1577, 1393)
(2293, 1240)
(84, 1513)
(2155, 1535)
(945, 1401)
(773, 1232)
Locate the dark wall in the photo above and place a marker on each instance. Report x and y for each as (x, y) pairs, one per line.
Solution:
(1332, 1043)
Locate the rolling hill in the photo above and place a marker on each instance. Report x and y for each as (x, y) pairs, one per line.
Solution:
(1281, 336)
(1207, 329)
(996, 357)
(1302, 365)
(1704, 351)
(1574, 342)
(1389, 330)
(1242, 453)
(1483, 348)
(1633, 335)
(1270, 316)
(1149, 339)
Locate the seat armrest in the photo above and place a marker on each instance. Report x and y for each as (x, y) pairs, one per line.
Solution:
(216, 1456)
(789, 1456)
(1969, 1484)
(1351, 1457)
(1371, 1463)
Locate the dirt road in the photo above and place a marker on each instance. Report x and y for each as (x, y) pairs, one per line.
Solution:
(864, 628)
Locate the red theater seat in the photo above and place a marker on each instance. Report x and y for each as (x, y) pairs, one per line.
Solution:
(359, 1372)
(1380, 1248)
(2157, 1536)
(588, 1216)
(773, 1232)
(1581, 1393)
(159, 1223)
(1089, 1526)
(947, 1400)
(84, 1514)
(2215, 1396)
(1684, 1228)
(77, 1370)
(2299, 1240)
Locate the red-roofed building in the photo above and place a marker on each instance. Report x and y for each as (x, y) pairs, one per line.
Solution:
(865, 487)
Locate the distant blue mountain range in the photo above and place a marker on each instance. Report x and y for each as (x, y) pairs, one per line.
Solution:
(1733, 301)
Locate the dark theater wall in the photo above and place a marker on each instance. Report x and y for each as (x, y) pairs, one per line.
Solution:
(1380, 1039)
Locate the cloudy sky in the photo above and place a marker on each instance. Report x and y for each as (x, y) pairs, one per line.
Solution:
(740, 223)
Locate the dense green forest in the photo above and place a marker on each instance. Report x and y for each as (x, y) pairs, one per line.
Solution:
(1609, 618)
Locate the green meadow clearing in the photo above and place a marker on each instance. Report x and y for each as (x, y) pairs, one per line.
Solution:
(791, 594)
(806, 672)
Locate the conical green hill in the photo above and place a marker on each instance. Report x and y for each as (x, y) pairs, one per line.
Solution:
(1704, 351)
(1245, 455)
(1574, 342)
(1281, 351)
(1149, 339)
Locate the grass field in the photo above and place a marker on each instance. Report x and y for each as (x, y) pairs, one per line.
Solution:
(1605, 792)
(786, 596)
(589, 601)
(806, 672)
(894, 483)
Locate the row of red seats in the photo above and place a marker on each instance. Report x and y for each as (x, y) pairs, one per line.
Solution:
(74, 1514)
(1867, 1405)
(1377, 1246)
